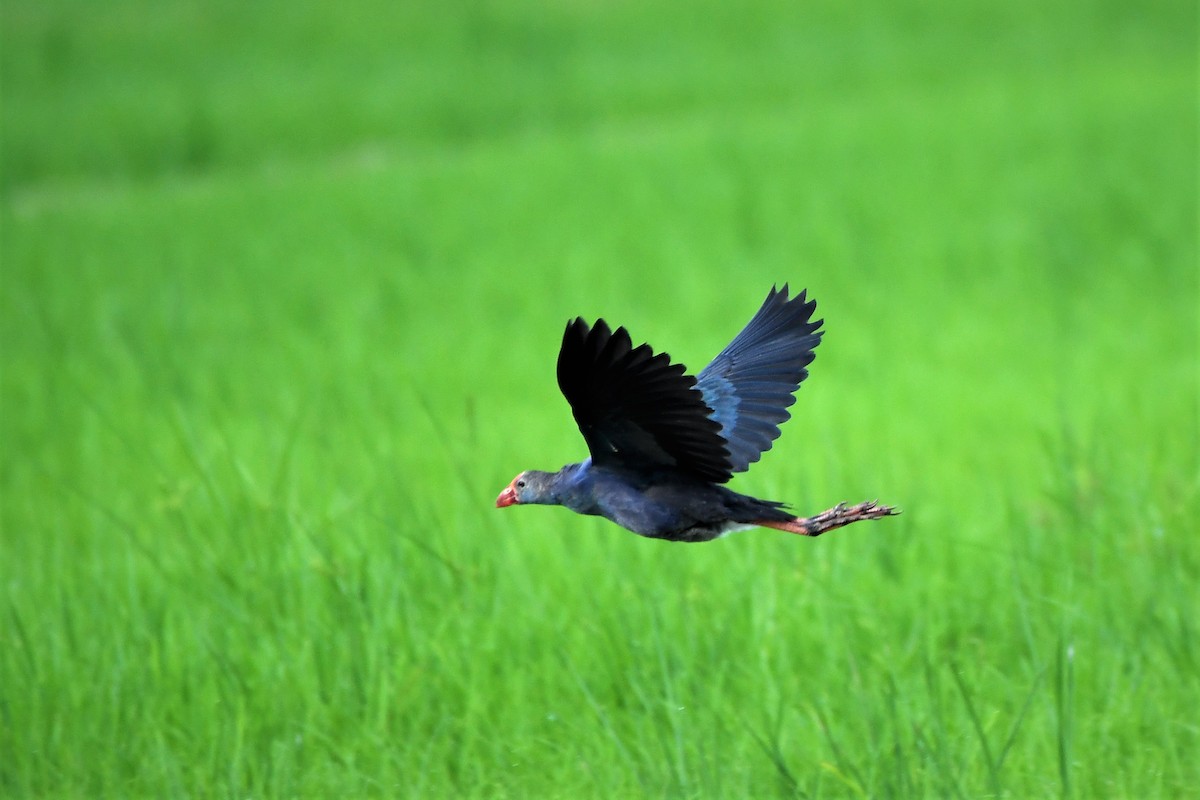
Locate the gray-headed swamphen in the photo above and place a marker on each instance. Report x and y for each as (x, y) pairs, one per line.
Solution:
(663, 443)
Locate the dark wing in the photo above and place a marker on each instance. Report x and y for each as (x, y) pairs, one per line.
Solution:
(637, 409)
(750, 384)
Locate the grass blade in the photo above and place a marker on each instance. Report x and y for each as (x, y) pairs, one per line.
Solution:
(993, 777)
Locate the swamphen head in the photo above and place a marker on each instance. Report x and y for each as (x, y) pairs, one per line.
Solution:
(531, 486)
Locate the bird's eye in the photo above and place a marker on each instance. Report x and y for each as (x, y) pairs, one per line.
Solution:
(521, 483)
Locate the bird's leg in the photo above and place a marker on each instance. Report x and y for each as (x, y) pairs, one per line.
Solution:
(836, 517)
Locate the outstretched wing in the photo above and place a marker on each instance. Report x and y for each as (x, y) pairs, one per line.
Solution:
(750, 385)
(637, 409)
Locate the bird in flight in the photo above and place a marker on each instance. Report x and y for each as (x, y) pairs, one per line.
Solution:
(662, 443)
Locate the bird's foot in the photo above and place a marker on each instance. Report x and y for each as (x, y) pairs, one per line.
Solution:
(836, 517)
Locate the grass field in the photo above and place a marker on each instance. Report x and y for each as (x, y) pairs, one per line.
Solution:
(282, 293)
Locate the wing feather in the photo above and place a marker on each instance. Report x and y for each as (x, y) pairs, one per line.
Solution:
(637, 409)
(750, 384)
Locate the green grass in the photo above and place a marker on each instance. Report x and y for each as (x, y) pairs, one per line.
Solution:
(281, 297)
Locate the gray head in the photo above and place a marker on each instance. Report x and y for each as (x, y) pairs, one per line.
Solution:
(531, 486)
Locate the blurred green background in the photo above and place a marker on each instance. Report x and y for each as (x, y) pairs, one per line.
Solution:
(282, 290)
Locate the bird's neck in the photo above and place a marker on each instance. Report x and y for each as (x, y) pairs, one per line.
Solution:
(571, 475)
(572, 486)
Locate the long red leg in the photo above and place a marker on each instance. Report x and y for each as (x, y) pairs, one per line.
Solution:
(836, 517)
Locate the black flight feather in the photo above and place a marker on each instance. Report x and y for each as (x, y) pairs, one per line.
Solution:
(636, 409)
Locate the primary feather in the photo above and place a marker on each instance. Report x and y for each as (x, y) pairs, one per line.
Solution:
(635, 408)
(751, 383)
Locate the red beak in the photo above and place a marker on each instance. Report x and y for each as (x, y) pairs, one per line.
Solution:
(508, 497)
